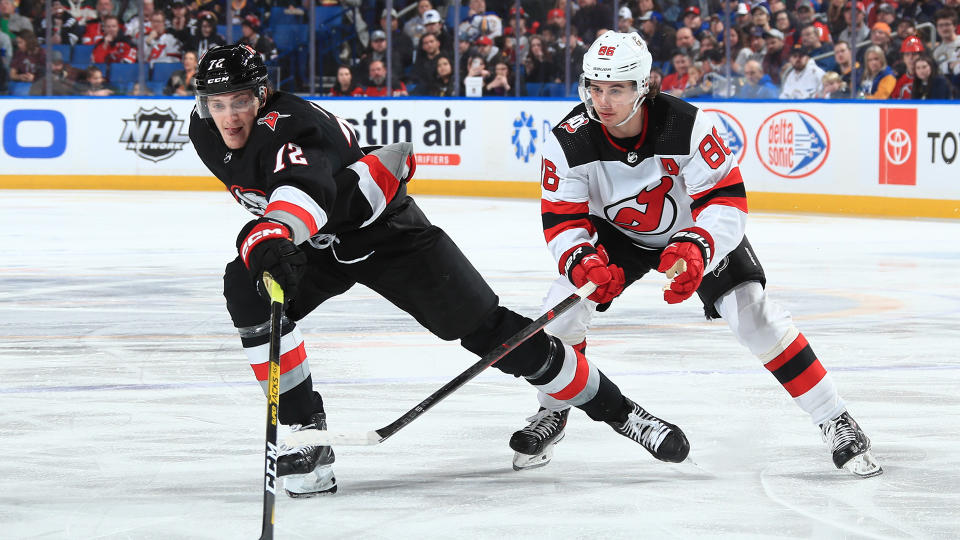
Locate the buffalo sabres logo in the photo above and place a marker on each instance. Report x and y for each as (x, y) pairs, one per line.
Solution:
(253, 200)
(632, 158)
(270, 119)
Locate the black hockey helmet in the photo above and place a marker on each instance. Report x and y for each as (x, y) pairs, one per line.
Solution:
(229, 69)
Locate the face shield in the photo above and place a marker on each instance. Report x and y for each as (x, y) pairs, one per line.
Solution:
(223, 105)
(616, 96)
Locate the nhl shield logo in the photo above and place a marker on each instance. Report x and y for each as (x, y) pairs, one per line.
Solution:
(154, 134)
(632, 158)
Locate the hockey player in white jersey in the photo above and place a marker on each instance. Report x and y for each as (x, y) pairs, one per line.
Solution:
(632, 181)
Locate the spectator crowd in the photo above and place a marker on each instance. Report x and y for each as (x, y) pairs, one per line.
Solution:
(768, 49)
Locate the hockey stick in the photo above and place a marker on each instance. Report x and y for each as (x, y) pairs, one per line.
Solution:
(273, 408)
(369, 438)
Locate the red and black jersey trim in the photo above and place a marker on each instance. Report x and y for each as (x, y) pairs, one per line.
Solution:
(559, 217)
(728, 192)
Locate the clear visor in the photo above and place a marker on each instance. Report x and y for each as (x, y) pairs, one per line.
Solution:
(614, 93)
(221, 105)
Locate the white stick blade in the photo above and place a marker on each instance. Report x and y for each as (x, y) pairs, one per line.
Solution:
(315, 437)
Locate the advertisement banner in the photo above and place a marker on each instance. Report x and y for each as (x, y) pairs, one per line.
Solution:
(859, 153)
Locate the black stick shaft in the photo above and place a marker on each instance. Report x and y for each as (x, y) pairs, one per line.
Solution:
(488, 360)
(273, 410)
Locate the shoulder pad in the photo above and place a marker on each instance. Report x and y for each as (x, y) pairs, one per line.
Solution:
(671, 120)
(577, 134)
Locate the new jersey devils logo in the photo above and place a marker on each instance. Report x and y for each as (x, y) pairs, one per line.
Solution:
(652, 211)
(575, 123)
(270, 119)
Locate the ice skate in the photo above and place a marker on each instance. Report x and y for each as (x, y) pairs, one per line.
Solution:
(534, 444)
(850, 446)
(308, 470)
(663, 440)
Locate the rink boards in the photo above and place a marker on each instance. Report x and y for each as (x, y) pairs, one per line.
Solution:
(885, 158)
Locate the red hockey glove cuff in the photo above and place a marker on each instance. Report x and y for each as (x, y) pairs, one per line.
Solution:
(259, 231)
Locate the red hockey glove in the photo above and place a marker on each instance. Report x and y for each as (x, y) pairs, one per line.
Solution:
(683, 261)
(265, 246)
(589, 264)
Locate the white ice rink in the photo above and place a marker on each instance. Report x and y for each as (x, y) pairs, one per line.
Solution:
(128, 410)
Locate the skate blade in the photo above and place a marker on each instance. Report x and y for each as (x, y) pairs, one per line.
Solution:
(864, 465)
(294, 495)
(319, 482)
(523, 462)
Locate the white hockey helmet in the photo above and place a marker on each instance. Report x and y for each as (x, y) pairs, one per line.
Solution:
(616, 56)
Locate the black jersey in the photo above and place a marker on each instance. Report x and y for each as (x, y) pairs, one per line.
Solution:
(299, 167)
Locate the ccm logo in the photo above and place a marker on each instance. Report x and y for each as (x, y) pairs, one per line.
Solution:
(218, 80)
(258, 236)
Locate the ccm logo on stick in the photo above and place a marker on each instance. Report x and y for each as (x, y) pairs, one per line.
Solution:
(16, 123)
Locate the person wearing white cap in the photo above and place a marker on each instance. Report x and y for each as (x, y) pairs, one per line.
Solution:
(625, 21)
(433, 24)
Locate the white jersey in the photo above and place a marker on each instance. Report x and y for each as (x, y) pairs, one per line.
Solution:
(677, 175)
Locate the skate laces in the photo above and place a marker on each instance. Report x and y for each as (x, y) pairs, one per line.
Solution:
(838, 433)
(542, 423)
(645, 429)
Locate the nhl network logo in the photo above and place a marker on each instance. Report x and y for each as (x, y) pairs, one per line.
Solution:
(154, 134)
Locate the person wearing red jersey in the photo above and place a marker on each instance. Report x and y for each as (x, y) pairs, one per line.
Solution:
(113, 46)
(329, 215)
(634, 180)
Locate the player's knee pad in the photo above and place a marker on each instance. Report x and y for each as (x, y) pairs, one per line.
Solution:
(757, 322)
(495, 330)
(571, 327)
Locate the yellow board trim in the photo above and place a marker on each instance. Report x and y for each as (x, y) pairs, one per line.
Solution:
(125, 182)
(859, 205)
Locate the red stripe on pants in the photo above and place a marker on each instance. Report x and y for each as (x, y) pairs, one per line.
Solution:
(288, 361)
(579, 381)
(802, 383)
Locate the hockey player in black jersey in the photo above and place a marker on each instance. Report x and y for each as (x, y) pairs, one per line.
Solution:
(330, 216)
(633, 181)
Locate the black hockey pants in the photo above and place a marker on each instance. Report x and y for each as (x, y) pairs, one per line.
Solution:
(415, 266)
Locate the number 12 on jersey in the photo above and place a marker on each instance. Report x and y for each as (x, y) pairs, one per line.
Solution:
(292, 153)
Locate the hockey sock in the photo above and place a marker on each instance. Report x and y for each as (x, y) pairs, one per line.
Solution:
(568, 376)
(794, 364)
(294, 366)
(299, 403)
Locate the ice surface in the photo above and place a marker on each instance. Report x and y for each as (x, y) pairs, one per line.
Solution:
(127, 408)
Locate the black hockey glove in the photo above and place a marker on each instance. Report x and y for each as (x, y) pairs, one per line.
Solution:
(265, 246)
